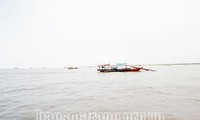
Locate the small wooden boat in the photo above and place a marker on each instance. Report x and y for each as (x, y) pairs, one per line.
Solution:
(120, 68)
(72, 68)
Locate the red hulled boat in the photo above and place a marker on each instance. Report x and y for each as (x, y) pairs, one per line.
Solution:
(120, 68)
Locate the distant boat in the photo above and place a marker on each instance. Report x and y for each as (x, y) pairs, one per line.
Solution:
(72, 68)
(122, 67)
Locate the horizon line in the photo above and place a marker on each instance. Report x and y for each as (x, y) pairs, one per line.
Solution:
(42, 67)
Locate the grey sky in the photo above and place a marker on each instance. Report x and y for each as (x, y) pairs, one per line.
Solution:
(58, 33)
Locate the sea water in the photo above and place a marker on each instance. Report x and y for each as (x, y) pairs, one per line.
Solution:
(172, 89)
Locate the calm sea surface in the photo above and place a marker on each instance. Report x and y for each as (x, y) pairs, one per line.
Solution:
(173, 90)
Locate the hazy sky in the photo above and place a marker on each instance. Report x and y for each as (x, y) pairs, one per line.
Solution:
(58, 33)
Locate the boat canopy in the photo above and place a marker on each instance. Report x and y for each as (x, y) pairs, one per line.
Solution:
(121, 64)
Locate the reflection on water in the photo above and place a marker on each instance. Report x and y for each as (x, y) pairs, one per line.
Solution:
(174, 90)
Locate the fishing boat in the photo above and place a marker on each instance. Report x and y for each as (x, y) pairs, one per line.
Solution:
(120, 67)
(72, 68)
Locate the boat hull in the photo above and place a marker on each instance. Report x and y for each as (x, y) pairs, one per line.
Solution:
(107, 70)
(120, 70)
(129, 70)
